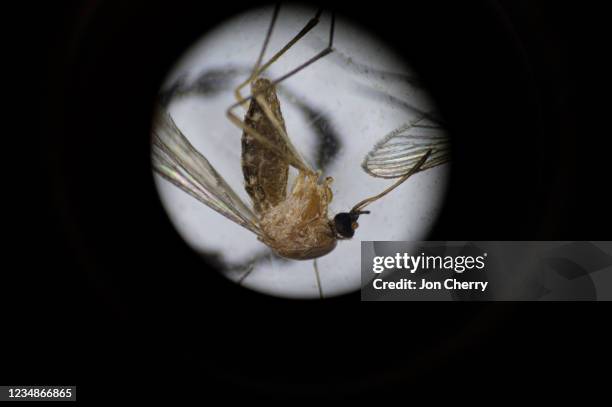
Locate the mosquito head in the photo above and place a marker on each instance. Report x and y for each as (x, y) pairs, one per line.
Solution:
(345, 223)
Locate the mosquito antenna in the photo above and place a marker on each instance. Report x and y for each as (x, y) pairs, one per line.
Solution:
(358, 208)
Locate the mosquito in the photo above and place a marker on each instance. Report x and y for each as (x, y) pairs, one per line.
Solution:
(295, 224)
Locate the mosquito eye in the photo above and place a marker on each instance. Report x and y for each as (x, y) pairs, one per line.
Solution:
(343, 223)
(355, 225)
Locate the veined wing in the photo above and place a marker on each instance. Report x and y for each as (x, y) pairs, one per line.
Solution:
(175, 159)
(400, 150)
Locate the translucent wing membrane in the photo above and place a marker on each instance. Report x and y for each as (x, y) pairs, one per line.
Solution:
(400, 150)
(175, 159)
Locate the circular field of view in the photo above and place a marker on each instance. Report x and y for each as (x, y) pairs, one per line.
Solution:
(359, 99)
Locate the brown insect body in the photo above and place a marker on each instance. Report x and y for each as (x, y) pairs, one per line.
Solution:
(265, 172)
(295, 226)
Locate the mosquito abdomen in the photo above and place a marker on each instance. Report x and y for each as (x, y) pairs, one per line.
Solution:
(265, 172)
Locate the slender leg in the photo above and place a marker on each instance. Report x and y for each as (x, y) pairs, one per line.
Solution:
(255, 70)
(258, 71)
(296, 162)
(316, 270)
(257, 260)
(246, 274)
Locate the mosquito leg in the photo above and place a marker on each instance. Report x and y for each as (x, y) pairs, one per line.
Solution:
(246, 273)
(329, 49)
(316, 270)
(266, 109)
(258, 70)
(255, 261)
(255, 70)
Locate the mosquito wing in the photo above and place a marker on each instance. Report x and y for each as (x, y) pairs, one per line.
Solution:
(400, 150)
(175, 159)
